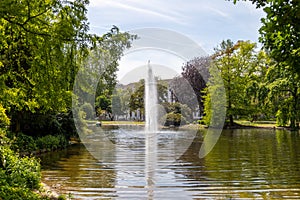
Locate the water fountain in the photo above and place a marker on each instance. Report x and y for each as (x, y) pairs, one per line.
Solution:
(151, 130)
(150, 101)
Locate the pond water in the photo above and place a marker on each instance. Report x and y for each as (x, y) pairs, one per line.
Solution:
(249, 163)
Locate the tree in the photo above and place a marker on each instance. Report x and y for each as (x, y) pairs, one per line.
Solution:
(138, 95)
(256, 95)
(283, 95)
(125, 95)
(38, 40)
(176, 114)
(196, 73)
(181, 91)
(88, 110)
(280, 35)
(280, 31)
(137, 98)
(43, 44)
(106, 57)
(103, 104)
(237, 63)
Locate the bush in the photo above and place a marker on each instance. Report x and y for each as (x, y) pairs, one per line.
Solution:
(24, 143)
(27, 144)
(51, 142)
(17, 193)
(19, 172)
(18, 176)
(88, 109)
(174, 119)
(67, 124)
(4, 120)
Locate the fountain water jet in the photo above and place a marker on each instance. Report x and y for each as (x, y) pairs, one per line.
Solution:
(151, 129)
(150, 101)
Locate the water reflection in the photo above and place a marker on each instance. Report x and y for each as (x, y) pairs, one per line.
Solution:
(248, 163)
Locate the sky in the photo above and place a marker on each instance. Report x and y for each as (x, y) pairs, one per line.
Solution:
(206, 22)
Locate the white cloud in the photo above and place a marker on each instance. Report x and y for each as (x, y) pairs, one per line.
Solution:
(142, 10)
(205, 22)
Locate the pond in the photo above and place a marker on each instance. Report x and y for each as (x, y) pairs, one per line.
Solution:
(245, 163)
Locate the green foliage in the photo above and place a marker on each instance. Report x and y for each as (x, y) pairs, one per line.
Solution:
(195, 72)
(103, 102)
(38, 39)
(43, 45)
(238, 64)
(4, 120)
(17, 193)
(137, 96)
(279, 32)
(117, 108)
(177, 114)
(88, 110)
(214, 99)
(18, 176)
(281, 118)
(109, 51)
(51, 142)
(174, 119)
(283, 94)
(27, 144)
(280, 35)
(61, 197)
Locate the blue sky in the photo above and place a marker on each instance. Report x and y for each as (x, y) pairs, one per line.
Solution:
(207, 22)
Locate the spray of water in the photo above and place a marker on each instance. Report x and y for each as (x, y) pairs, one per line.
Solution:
(151, 129)
(150, 101)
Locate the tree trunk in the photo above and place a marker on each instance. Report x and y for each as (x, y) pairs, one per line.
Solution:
(229, 108)
(18, 120)
(230, 120)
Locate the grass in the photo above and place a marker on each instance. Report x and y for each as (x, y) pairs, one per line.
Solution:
(122, 123)
(116, 122)
(263, 124)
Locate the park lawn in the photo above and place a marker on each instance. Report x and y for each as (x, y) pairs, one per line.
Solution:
(116, 122)
(122, 123)
(258, 124)
(262, 124)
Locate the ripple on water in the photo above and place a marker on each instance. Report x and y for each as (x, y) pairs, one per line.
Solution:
(243, 165)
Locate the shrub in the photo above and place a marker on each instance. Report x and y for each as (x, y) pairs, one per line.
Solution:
(27, 144)
(17, 193)
(4, 120)
(67, 124)
(18, 176)
(174, 119)
(88, 109)
(20, 172)
(51, 142)
(24, 143)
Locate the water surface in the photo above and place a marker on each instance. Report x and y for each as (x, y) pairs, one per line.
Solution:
(250, 163)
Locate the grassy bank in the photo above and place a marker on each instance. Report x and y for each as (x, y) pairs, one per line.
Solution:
(258, 124)
(239, 124)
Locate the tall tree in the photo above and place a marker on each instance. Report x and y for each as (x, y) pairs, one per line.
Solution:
(39, 41)
(237, 63)
(280, 35)
(42, 46)
(196, 73)
(283, 88)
